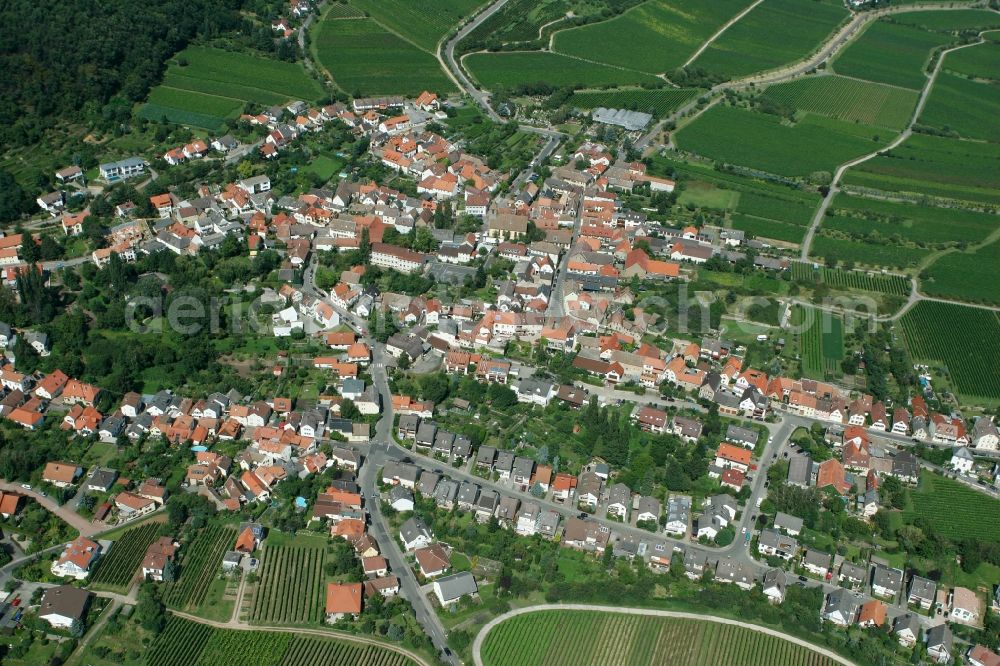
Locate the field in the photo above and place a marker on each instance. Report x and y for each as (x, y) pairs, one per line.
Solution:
(424, 22)
(821, 342)
(508, 70)
(201, 561)
(961, 339)
(659, 102)
(518, 21)
(325, 166)
(978, 62)
(590, 638)
(970, 108)
(934, 166)
(118, 567)
(774, 33)
(955, 510)
(761, 141)
(366, 59)
(656, 37)
(184, 643)
(938, 21)
(866, 253)
(838, 278)
(910, 49)
(202, 86)
(875, 219)
(848, 99)
(291, 588)
(965, 277)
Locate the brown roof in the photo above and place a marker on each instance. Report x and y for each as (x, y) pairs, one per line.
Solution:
(61, 472)
(433, 558)
(343, 598)
(246, 541)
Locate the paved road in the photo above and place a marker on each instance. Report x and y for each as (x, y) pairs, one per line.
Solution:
(75, 520)
(477, 644)
(455, 71)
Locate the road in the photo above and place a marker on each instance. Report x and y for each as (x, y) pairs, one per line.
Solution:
(455, 71)
(73, 519)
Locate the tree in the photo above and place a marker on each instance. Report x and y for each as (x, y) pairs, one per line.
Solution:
(150, 609)
(435, 387)
(14, 201)
(404, 361)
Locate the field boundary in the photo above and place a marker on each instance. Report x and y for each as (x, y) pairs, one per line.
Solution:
(728, 24)
(477, 645)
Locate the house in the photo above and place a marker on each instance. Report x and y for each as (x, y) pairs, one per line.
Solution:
(733, 457)
(816, 562)
(77, 559)
(965, 606)
(788, 524)
(678, 515)
(374, 565)
(906, 627)
(980, 655)
(651, 420)
(158, 555)
(852, 574)
(773, 585)
(872, 614)
(586, 535)
(131, 506)
(527, 519)
(648, 510)
(730, 570)
(414, 534)
(101, 480)
(401, 499)
(841, 607)
(962, 461)
(387, 586)
(65, 607)
(451, 588)
(743, 436)
(342, 600)
(695, 562)
(773, 543)
(618, 501)
(886, 581)
(940, 644)
(687, 429)
(61, 475)
(433, 560)
(922, 592)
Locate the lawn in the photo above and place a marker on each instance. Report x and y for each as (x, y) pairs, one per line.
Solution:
(366, 59)
(970, 108)
(763, 141)
(890, 53)
(848, 99)
(959, 340)
(590, 638)
(508, 70)
(955, 509)
(774, 33)
(879, 220)
(659, 102)
(423, 22)
(325, 166)
(965, 276)
(656, 36)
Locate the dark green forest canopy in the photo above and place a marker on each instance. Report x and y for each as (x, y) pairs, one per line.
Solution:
(67, 59)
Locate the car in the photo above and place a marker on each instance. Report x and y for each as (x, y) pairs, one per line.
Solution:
(803, 579)
(767, 483)
(770, 439)
(659, 548)
(582, 516)
(26, 486)
(759, 500)
(744, 530)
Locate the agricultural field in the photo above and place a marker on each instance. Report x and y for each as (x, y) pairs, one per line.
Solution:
(366, 59)
(590, 638)
(839, 278)
(965, 276)
(659, 102)
(119, 566)
(508, 70)
(291, 588)
(202, 86)
(910, 48)
(937, 21)
(955, 509)
(934, 166)
(519, 21)
(866, 253)
(423, 22)
(970, 108)
(821, 342)
(762, 141)
(199, 564)
(978, 62)
(962, 340)
(876, 219)
(185, 643)
(656, 37)
(848, 99)
(774, 33)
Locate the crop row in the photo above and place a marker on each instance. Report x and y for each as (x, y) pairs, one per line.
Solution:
(291, 586)
(306, 651)
(199, 565)
(118, 567)
(838, 278)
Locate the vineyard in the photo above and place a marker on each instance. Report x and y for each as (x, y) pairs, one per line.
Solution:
(962, 340)
(658, 102)
(838, 278)
(865, 253)
(185, 643)
(965, 277)
(848, 99)
(118, 567)
(590, 638)
(201, 560)
(910, 48)
(821, 342)
(423, 22)
(954, 509)
(291, 588)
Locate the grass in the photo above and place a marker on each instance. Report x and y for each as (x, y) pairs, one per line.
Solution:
(656, 37)
(423, 22)
(848, 99)
(325, 166)
(118, 568)
(508, 70)
(366, 59)
(204, 86)
(968, 352)
(965, 276)
(880, 220)
(291, 588)
(706, 195)
(590, 638)
(955, 509)
(967, 107)
(200, 562)
(890, 53)
(659, 102)
(772, 34)
(762, 141)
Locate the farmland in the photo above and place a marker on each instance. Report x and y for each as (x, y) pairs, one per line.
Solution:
(291, 589)
(821, 342)
(866, 253)
(910, 48)
(596, 638)
(970, 108)
(517, 21)
(656, 36)
(838, 278)
(960, 339)
(659, 102)
(203, 86)
(964, 19)
(423, 22)
(761, 141)
(978, 62)
(508, 70)
(848, 99)
(366, 59)
(190, 644)
(200, 562)
(954, 509)
(774, 33)
(118, 567)
(965, 276)
(875, 219)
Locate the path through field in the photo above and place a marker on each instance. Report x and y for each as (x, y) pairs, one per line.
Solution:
(718, 33)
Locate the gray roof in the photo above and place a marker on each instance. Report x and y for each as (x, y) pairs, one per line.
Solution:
(789, 523)
(102, 477)
(426, 432)
(799, 470)
(469, 493)
(770, 538)
(649, 505)
(488, 500)
(523, 467)
(735, 433)
(844, 602)
(887, 577)
(427, 483)
(400, 493)
(907, 621)
(486, 455)
(409, 422)
(64, 600)
(505, 461)
(853, 571)
(817, 558)
(922, 588)
(940, 637)
(619, 494)
(774, 578)
(630, 120)
(413, 528)
(446, 491)
(456, 585)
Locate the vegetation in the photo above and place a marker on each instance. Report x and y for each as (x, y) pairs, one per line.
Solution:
(860, 252)
(821, 345)
(964, 107)
(424, 22)
(118, 567)
(200, 562)
(879, 221)
(839, 97)
(954, 509)
(964, 276)
(508, 70)
(659, 102)
(307, 650)
(910, 48)
(291, 588)
(838, 278)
